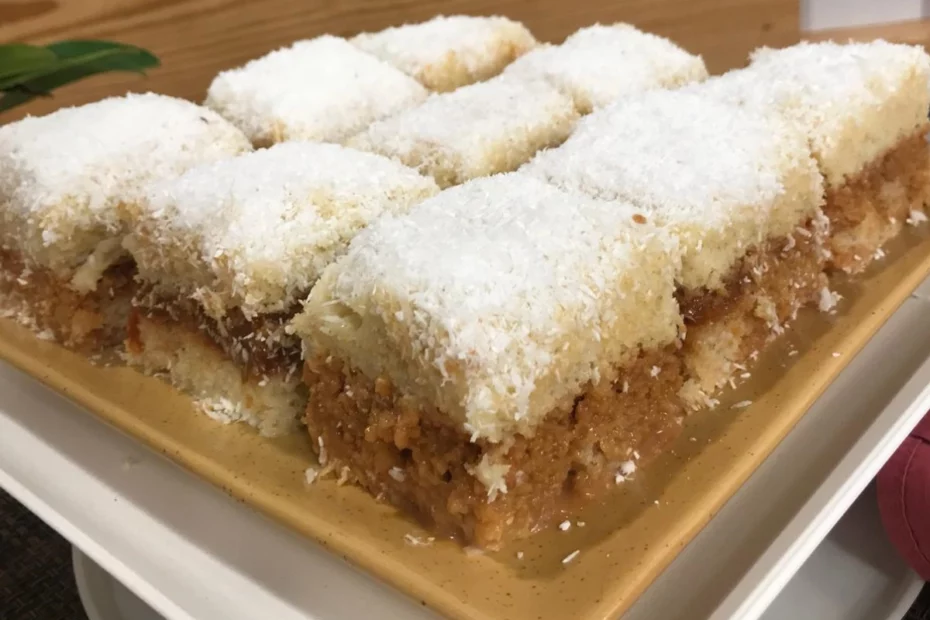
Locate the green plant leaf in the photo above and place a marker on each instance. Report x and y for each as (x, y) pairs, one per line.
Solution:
(75, 60)
(19, 58)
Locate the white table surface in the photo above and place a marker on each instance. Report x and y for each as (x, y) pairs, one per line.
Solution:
(191, 552)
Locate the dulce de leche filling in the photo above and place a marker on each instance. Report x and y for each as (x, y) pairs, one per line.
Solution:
(259, 345)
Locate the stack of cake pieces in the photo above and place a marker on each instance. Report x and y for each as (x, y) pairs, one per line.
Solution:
(225, 254)
(863, 107)
(65, 179)
(619, 240)
(507, 349)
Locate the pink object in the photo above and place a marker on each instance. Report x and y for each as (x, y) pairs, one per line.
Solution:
(904, 498)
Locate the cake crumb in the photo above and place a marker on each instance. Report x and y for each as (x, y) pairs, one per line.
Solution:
(397, 474)
(656, 502)
(580, 524)
(311, 474)
(416, 541)
(565, 525)
(692, 439)
(745, 375)
(836, 354)
(46, 334)
(627, 468)
(519, 555)
(828, 299)
(635, 455)
(741, 404)
(654, 372)
(916, 217)
(879, 254)
(571, 556)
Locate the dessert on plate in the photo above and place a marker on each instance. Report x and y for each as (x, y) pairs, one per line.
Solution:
(738, 190)
(863, 107)
(500, 345)
(225, 254)
(63, 180)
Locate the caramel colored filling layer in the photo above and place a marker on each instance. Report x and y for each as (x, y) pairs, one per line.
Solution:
(43, 301)
(417, 459)
(870, 208)
(258, 345)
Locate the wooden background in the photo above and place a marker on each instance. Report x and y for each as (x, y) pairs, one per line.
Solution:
(197, 38)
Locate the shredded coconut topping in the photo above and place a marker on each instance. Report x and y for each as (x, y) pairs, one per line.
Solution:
(916, 217)
(514, 294)
(475, 131)
(320, 89)
(63, 175)
(447, 52)
(256, 231)
(599, 64)
(854, 101)
(721, 177)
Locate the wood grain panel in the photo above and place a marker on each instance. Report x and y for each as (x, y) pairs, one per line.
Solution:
(916, 32)
(197, 38)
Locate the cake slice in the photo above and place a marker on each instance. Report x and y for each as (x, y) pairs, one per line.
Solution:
(226, 253)
(323, 89)
(597, 65)
(475, 131)
(739, 190)
(499, 351)
(445, 53)
(864, 108)
(63, 178)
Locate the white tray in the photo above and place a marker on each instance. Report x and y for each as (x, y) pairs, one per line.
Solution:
(191, 552)
(855, 574)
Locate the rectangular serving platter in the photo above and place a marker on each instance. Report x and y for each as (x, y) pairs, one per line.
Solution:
(624, 543)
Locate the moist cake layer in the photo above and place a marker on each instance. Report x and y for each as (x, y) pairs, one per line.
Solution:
(222, 387)
(726, 329)
(417, 459)
(37, 298)
(871, 207)
(445, 53)
(598, 65)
